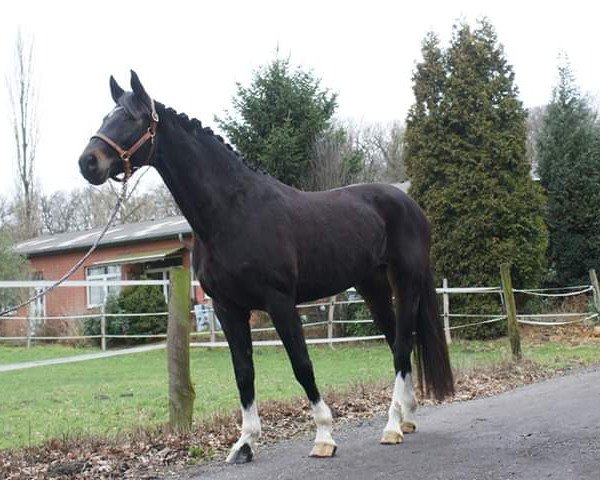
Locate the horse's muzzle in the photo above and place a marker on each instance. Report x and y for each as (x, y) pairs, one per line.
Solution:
(88, 165)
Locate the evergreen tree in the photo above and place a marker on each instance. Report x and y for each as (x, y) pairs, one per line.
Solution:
(278, 118)
(466, 159)
(569, 169)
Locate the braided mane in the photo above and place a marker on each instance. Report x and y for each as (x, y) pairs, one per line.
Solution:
(194, 127)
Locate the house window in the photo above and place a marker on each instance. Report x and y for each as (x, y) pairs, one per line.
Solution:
(160, 274)
(97, 296)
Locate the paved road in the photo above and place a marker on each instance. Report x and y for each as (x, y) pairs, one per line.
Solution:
(550, 430)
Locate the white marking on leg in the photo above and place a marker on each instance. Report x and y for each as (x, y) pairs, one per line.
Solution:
(250, 430)
(408, 400)
(324, 421)
(395, 410)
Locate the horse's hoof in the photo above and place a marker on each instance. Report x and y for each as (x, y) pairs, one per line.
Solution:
(243, 455)
(391, 438)
(408, 427)
(323, 450)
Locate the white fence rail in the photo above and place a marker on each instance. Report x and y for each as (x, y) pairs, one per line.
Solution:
(329, 313)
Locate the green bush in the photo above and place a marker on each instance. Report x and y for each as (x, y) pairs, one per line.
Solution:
(480, 305)
(359, 311)
(135, 299)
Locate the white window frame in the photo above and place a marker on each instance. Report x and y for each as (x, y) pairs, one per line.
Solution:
(105, 277)
(165, 277)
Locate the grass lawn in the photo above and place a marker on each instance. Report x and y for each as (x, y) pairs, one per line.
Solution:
(117, 394)
(40, 352)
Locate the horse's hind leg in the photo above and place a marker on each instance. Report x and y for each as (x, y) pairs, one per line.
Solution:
(289, 328)
(236, 327)
(377, 292)
(406, 288)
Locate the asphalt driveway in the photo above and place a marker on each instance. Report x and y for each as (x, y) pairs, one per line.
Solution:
(550, 430)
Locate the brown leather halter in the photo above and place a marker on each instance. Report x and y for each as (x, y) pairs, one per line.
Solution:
(126, 154)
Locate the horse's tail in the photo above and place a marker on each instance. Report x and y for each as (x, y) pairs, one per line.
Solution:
(431, 352)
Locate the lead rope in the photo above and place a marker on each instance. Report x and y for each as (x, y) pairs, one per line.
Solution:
(75, 267)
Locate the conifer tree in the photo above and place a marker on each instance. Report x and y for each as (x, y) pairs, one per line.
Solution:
(466, 159)
(569, 169)
(277, 119)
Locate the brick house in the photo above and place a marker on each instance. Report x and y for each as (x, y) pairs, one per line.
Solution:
(127, 252)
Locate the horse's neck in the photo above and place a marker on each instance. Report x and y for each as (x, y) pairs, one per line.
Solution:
(205, 181)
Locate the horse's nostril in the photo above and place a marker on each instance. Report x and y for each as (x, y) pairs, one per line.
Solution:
(91, 163)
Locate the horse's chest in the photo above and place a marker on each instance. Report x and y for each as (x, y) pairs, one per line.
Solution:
(234, 280)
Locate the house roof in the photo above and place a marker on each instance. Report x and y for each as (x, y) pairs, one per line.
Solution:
(165, 228)
(140, 257)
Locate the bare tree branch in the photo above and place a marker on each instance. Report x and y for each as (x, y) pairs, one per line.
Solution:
(23, 102)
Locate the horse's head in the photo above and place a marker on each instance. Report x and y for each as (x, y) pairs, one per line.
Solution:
(125, 140)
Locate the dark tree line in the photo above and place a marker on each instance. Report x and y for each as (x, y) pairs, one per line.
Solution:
(568, 154)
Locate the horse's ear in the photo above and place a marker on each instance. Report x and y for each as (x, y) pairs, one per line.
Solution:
(139, 90)
(115, 90)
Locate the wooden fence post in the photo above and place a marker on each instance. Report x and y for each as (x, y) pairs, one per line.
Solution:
(29, 333)
(211, 323)
(446, 303)
(595, 289)
(330, 320)
(511, 312)
(181, 390)
(103, 327)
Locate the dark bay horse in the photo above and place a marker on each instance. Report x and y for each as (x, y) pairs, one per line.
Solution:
(262, 245)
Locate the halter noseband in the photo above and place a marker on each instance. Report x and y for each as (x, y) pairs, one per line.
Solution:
(126, 154)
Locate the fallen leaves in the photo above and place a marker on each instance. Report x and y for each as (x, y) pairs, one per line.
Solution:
(152, 454)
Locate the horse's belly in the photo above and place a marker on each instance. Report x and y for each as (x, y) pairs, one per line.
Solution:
(326, 273)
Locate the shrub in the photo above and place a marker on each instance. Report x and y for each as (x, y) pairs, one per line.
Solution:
(359, 311)
(135, 299)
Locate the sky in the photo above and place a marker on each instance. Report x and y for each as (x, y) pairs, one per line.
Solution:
(190, 54)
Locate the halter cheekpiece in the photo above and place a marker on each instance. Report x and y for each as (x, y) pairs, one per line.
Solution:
(126, 154)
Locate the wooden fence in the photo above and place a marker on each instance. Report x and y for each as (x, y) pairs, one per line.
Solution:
(330, 313)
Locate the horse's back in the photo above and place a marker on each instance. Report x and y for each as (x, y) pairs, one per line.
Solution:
(395, 208)
(343, 234)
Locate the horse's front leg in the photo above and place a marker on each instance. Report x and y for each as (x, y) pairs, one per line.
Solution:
(289, 328)
(236, 327)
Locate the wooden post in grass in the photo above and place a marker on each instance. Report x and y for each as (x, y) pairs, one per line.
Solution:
(103, 327)
(181, 390)
(211, 322)
(595, 289)
(511, 312)
(330, 314)
(446, 305)
(28, 333)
